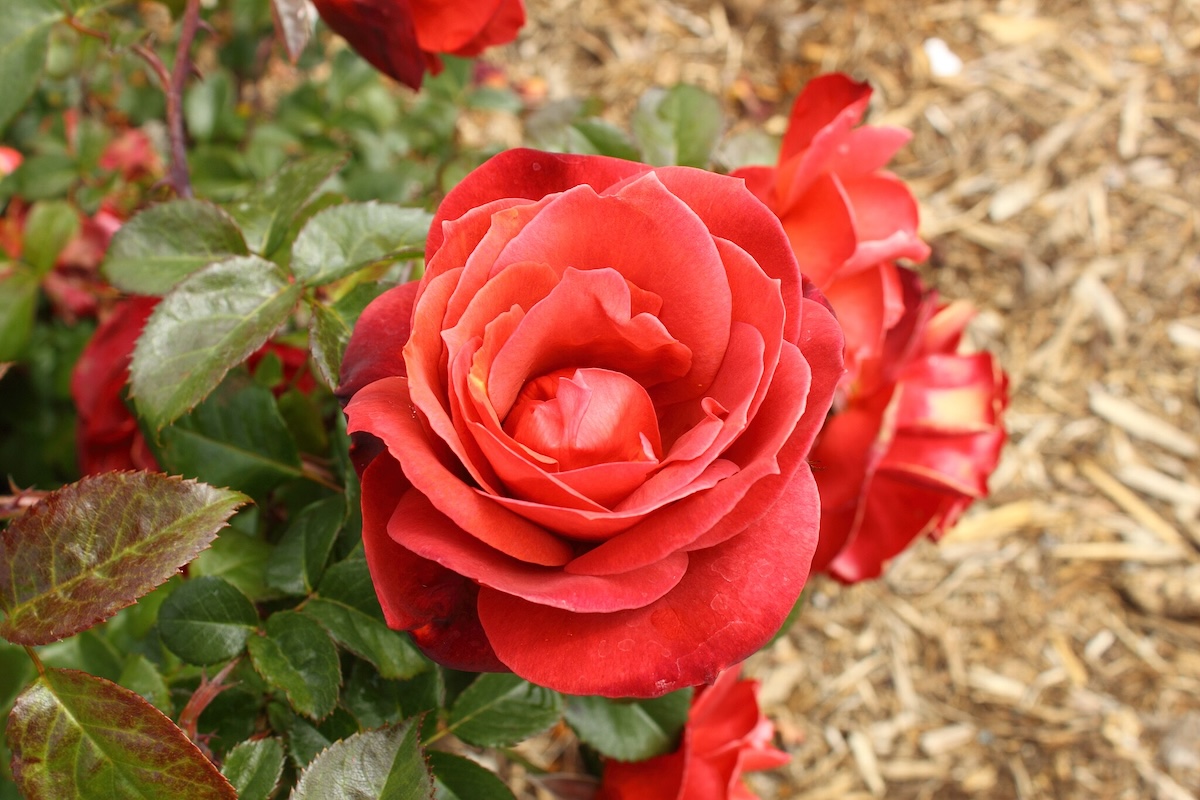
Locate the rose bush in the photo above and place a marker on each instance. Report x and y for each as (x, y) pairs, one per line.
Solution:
(726, 736)
(906, 457)
(403, 38)
(588, 425)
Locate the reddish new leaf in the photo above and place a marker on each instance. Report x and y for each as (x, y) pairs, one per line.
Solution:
(76, 735)
(94, 547)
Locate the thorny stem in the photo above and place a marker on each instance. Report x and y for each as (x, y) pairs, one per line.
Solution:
(205, 693)
(173, 82)
(178, 173)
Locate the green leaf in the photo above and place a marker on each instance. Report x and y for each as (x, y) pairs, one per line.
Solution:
(630, 730)
(370, 698)
(206, 621)
(24, 40)
(164, 244)
(77, 736)
(93, 547)
(297, 657)
(500, 709)
(254, 768)
(212, 321)
(240, 559)
(139, 675)
(602, 138)
(458, 778)
(18, 306)
(266, 213)
(677, 126)
(391, 652)
(234, 438)
(299, 558)
(346, 238)
(330, 327)
(386, 764)
(50, 225)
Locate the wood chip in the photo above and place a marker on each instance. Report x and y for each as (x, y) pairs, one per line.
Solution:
(1142, 424)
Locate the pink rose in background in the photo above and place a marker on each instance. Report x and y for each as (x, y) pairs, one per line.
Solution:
(726, 736)
(10, 159)
(916, 428)
(589, 424)
(403, 38)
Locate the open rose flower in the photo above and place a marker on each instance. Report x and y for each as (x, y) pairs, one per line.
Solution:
(847, 218)
(403, 38)
(589, 423)
(726, 736)
(905, 458)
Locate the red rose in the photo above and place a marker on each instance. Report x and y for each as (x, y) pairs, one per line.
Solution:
(847, 218)
(402, 38)
(107, 436)
(905, 458)
(726, 735)
(592, 416)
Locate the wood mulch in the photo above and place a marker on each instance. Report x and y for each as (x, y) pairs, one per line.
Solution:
(1050, 645)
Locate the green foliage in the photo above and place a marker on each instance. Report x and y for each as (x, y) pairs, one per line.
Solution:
(164, 244)
(206, 621)
(24, 40)
(501, 709)
(211, 322)
(630, 730)
(94, 547)
(50, 225)
(345, 238)
(387, 764)
(677, 126)
(254, 768)
(266, 213)
(300, 556)
(297, 657)
(74, 735)
(458, 778)
(18, 304)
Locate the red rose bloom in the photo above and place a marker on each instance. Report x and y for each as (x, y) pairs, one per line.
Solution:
(905, 458)
(590, 421)
(402, 38)
(726, 735)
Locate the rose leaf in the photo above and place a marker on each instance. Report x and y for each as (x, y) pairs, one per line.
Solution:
(206, 621)
(299, 558)
(267, 212)
(630, 730)
(94, 547)
(212, 321)
(164, 244)
(459, 778)
(345, 238)
(50, 225)
(24, 40)
(298, 657)
(254, 768)
(18, 309)
(76, 735)
(500, 709)
(677, 126)
(330, 326)
(388, 763)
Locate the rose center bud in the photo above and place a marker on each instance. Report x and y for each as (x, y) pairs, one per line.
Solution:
(581, 417)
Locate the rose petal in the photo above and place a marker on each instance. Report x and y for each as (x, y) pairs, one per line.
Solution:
(385, 409)
(415, 592)
(716, 616)
(376, 349)
(832, 100)
(419, 527)
(822, 232)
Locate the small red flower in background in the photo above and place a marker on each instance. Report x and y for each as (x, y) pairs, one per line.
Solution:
(906, 457)
(107, 436)
(10, 159)
(916, 428)
(726, 735)
(403, 38)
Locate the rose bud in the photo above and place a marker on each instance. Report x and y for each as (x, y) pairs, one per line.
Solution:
(584, 431)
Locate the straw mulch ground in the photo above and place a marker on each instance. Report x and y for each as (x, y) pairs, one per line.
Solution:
(1050, 646)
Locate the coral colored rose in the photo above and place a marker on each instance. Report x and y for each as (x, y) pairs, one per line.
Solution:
(107, 436)
(726, 735)
(590, 423)
(402, 38)
(846, 217)
(907, 457)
